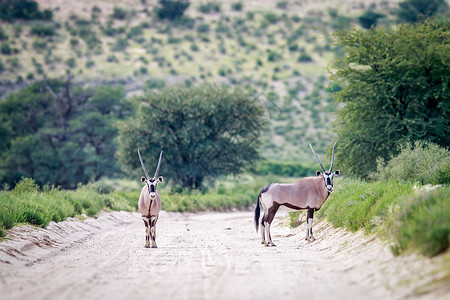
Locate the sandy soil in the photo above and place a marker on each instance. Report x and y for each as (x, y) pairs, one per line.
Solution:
(206, 256)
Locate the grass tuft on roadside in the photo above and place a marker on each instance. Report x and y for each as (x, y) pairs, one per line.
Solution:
(411, 218)
(27, 204)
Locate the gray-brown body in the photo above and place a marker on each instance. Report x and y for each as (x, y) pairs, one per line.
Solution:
(149, 203)
(149, 207)
(307, 193)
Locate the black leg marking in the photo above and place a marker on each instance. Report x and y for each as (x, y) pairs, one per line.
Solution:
(309, 219)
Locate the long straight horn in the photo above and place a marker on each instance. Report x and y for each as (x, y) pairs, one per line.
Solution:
(323, 169)
(332, 158)
(143, 167)
(157, 168)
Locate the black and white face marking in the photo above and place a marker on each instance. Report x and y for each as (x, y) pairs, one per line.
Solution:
(328, 177)
(152, 184)
(152, 187)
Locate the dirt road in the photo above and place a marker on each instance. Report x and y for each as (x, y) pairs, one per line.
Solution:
(202, 256)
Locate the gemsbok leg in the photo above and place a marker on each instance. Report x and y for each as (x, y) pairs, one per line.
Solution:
(268, 221)
(147, 231)
(263, 232)
(153, 221)
(309, 218)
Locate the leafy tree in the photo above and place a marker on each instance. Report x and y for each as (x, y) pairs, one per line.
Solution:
(413, 10)
(204, 131)
(395, 90)
(59, 134)
(171, 9)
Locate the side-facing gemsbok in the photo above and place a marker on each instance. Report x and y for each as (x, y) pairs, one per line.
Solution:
(307, 193)
(150, 203)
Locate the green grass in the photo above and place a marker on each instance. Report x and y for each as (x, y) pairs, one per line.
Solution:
(357, 204)
(228, 193)
(410, 217)
(26, 204)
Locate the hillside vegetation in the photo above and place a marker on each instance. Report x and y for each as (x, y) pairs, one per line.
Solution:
(279, 49)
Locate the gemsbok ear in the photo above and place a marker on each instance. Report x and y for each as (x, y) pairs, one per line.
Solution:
(318, 173)
(337, 173)
(142, 179)
(161, 179)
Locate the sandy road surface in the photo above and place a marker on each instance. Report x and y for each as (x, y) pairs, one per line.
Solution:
(202, 256)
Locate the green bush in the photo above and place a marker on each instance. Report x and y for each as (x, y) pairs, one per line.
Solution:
(422, 162)
(421, 222)
(194, 47)
(236, 6)
(286, 169)
(119, 13)
(102, 187)
(369, 19)
(134, 31)
(26, 185)
(3, 35)
(89, 36)
(282, 4)
(203, 28)
(304, 58)
(43, 29)
(171, 9)
(209, 7)
(357, 204)
(273, 56)
(155, 83)
(271, 17)
(6, 49)
(120, 45)
(71, 62)
(112, 59)
(90, 64)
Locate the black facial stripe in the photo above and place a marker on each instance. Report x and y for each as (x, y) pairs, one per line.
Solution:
(328, 181)
(152, 188)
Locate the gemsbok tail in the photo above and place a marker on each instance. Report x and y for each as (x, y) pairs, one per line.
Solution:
(257, 211)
